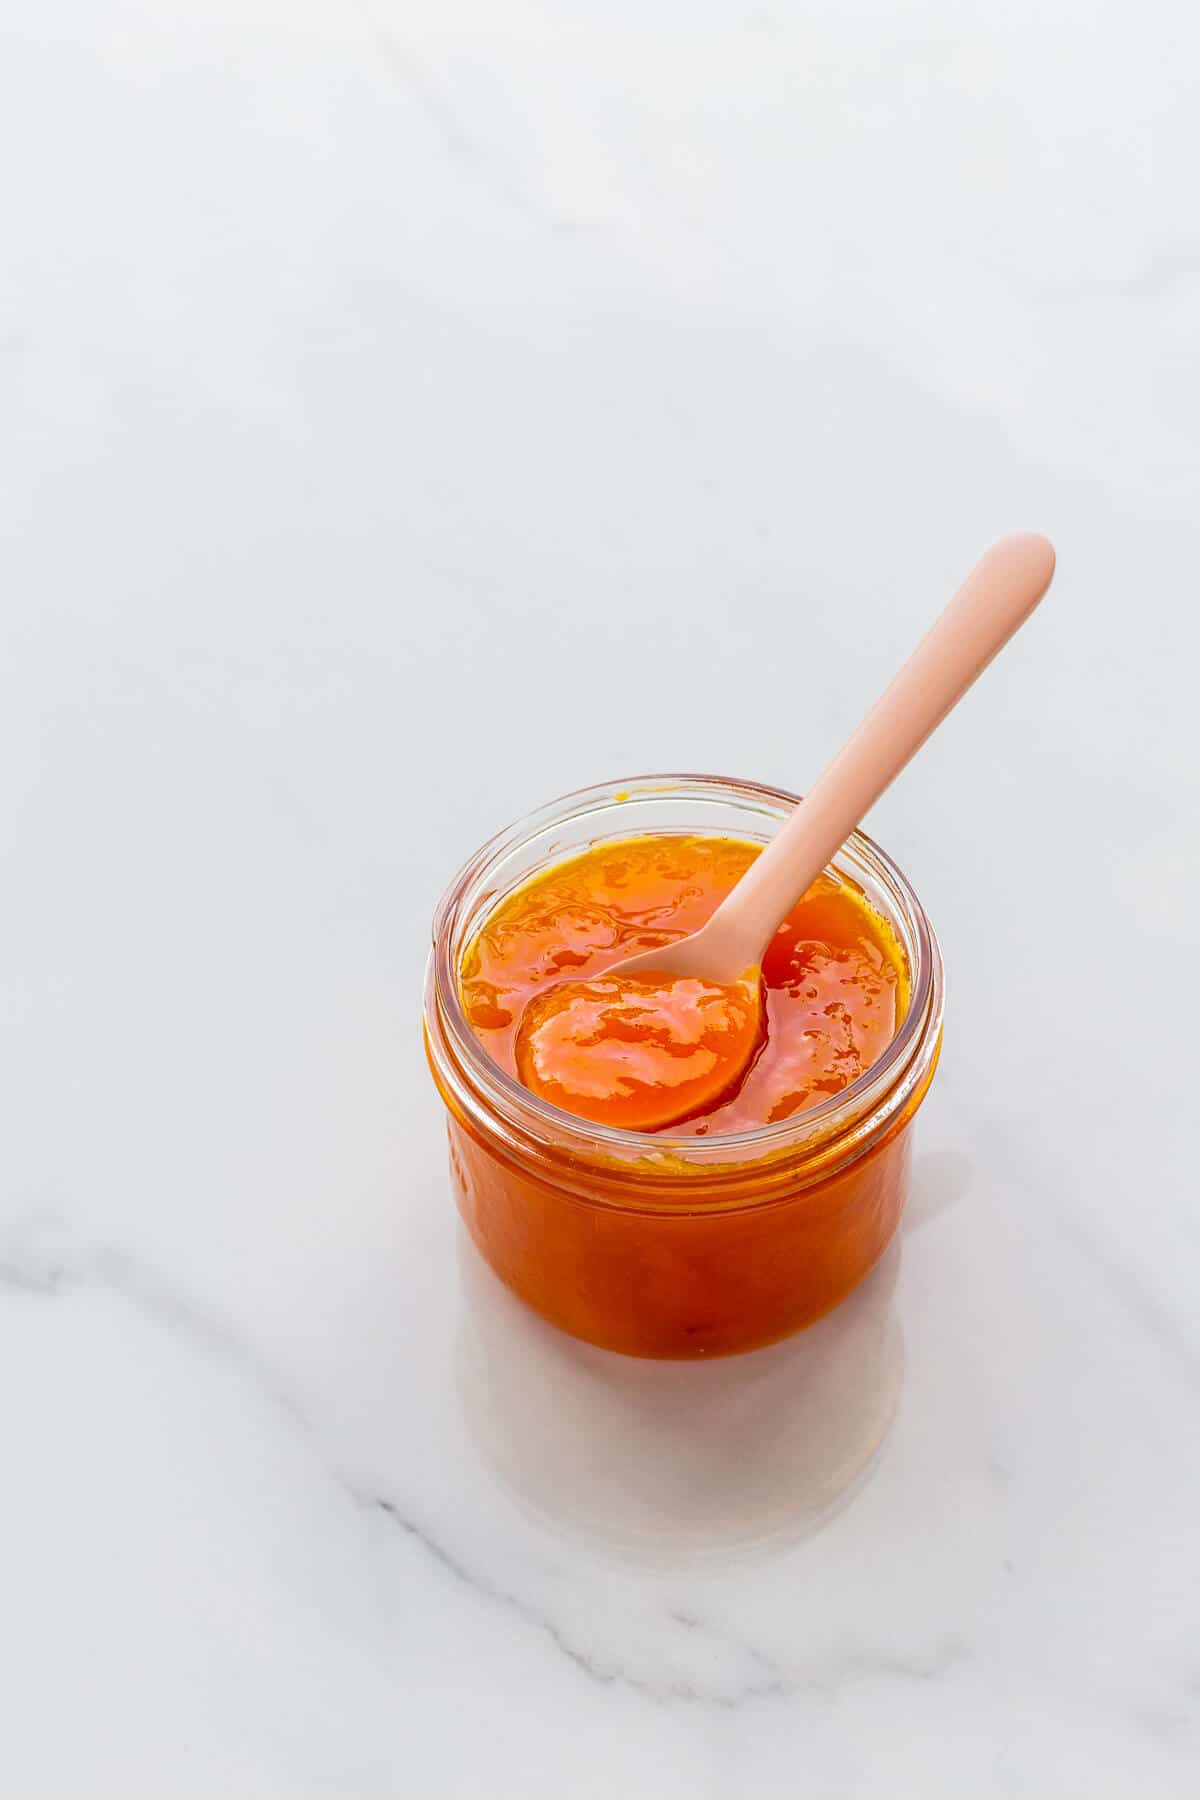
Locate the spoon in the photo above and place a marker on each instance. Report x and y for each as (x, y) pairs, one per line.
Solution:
(700, 999)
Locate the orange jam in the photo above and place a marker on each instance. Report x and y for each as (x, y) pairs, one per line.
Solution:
(834, 989)
(770, 1202)
(641, 1051)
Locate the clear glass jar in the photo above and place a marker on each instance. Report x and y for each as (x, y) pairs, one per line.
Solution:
(660, 1245)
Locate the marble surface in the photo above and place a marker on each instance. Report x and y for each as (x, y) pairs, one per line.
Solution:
(392, 399)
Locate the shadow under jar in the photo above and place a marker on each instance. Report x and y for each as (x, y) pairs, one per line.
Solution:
(661, 1245)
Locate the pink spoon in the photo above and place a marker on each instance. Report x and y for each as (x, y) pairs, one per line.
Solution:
(997, 597)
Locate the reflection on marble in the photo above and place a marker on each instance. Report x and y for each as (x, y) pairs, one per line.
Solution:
(678, 1462)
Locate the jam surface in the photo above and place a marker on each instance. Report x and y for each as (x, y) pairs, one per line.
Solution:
(834, 987)
(641, 1051)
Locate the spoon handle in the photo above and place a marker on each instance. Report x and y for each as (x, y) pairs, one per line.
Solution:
(998, 596)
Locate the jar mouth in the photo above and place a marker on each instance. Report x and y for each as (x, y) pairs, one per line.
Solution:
(480, 1087)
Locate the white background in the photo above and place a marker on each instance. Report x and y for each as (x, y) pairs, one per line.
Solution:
(397, 404)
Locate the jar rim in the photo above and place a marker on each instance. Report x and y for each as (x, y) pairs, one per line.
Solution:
(850, 1113)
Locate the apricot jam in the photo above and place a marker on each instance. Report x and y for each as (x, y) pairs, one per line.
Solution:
(753, 1217)
(834, 984)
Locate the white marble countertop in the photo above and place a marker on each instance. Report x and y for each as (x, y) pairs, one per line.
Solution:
(392, 397)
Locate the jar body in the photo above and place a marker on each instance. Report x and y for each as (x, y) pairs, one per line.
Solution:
(676, 1248)
(670, 1284)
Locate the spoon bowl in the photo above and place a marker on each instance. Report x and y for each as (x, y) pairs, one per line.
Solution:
(643, 1050)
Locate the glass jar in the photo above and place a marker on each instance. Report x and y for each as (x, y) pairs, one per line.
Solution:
(660, 1245)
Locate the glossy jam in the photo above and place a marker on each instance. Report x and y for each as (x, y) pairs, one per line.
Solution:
(640, 1051)
(725, 1233)
(625, 1053)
